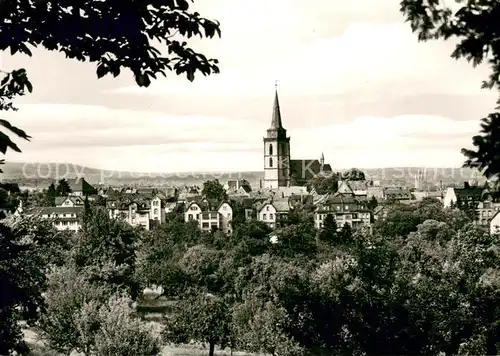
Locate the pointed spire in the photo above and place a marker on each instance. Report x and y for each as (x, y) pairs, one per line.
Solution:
(276, 120)
(322, 159)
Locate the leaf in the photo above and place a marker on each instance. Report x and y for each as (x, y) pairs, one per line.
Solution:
(14, 129)
(102, 70)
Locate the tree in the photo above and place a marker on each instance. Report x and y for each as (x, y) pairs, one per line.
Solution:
(87, 317)
(22, 281)
(329, 232)
(201, 317)
(212, 189)
(475, 27)
(325, 185)
(108, 247)
(346, 234)
(115, 35)
(63, 188)
(353, 174)
(50, 195)
(121, 333)
(372, 203)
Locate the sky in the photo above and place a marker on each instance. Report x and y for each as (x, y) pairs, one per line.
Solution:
(354, 83)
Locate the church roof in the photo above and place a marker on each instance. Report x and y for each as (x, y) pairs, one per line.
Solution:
(276, 119)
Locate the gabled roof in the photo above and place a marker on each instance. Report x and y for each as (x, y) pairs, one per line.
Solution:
(207, 204)
(280, 206)
(344, 188)
(75, 200)
(339, 198)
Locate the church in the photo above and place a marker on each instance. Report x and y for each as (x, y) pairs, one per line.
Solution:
(279, 169)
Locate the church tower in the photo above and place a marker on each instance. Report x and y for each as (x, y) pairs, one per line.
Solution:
(276, 151)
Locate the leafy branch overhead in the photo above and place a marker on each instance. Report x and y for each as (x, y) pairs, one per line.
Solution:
(476, 27)
(114, 34)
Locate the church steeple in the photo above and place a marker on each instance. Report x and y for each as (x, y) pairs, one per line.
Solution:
(276, 119)
(276, 129)
(276, 151)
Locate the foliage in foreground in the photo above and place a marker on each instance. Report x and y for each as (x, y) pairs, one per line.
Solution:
(147, 38)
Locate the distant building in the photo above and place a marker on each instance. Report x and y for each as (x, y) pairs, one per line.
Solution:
(274, 214)
(64, 217)
(464, 198)
(210, 215)
(279, 169)
(495, 224)
(80, 187)
(345, 209)
(139, 209)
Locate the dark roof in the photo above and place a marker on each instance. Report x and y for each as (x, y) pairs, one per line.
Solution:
(300, 199)
(475, 192)
(207, 204)
(338, 198)
(303, 170)
(62, 209)
(81, 185)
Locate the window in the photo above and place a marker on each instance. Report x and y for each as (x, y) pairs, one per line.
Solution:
(271, 217)
(229, 216)
(190, 217)
(267, 208)
(155, 212)
(264, 217)
(271, 149)
(224, 207)
(270, 162)
(205, 225)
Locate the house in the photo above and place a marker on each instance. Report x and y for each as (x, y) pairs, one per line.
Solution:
(375, 191)
(69, 201)
(136, 213)
(64, 218)
(486, 210)
(241, 186)
(464, 198)
(398, 194)
(345, 209)
(80, 187)
(211, 215)
(158, 209)
(169, 207)
(357, 188)
(274, 214)
(300, 199)
(495, 224)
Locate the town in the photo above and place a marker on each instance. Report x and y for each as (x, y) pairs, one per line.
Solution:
(353, 209)
(289, 185)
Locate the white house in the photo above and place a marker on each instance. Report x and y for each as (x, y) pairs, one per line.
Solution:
(157, 212)
(495, 224)
(274, 213)
(450, 197)
(64, 218)
(210, 215)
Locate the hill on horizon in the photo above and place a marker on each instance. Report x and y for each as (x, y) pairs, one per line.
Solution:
(42, 174)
